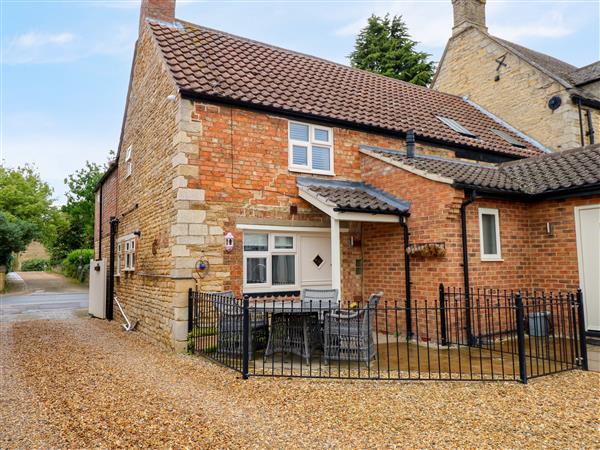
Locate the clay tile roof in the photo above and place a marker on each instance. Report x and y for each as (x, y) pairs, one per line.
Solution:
(571, 169)
(218, 65)
(352, 195)
(586, 74)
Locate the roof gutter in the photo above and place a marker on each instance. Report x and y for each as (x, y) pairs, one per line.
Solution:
(584, 101)
(372, 211)
(191, 95)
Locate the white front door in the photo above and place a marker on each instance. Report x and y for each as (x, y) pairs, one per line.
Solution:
(588, 247)
(315, 261)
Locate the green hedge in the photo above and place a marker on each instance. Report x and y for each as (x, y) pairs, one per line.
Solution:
(77, 263)
(35, 265)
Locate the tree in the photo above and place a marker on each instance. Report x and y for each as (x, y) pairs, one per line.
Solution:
(385, 47)
(15, 236)
(81, 201)
(24, 196)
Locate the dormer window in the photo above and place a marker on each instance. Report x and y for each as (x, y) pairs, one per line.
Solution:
(455, 126)
(128, 162)
(508, 138)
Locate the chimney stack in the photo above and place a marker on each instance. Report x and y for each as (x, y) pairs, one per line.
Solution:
(163, 10)
(468, 13)
(410, 143)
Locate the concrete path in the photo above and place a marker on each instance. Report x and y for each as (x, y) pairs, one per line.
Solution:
(42, 295)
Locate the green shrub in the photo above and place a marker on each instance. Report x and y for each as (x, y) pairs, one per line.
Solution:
(77, 263)
(35, 265)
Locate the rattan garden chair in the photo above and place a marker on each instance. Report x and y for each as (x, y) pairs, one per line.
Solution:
(348, 335)
(230, 325)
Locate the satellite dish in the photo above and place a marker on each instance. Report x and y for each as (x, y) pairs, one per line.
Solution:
(554, 102)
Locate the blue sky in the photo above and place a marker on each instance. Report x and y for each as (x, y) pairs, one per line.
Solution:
(65, 64)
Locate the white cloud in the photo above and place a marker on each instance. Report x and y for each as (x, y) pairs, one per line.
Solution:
(550, 25)
(34, 39)
(50, 48)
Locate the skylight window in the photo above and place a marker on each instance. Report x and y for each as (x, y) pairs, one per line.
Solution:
(454, 125)
(508, 138)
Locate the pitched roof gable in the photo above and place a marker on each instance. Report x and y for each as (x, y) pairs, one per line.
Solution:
(217, 65)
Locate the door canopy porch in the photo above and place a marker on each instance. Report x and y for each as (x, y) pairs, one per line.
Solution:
(351, 201)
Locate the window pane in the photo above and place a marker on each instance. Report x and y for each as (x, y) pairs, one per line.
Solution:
(284, 242)
(283, 269)
(256, 242)
(320, 157)
(299, 132)
(321, 135)
(488, 223)
(299, 155)
(256, 270)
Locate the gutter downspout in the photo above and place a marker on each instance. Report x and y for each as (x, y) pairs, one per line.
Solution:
(114, 225)
(407, 281)
(465, 249)
(591, 127)
(580, 122)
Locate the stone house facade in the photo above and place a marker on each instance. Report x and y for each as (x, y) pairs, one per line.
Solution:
(251, 168)
(548, 99)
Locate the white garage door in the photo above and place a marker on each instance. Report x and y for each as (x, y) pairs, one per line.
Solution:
(587, 219)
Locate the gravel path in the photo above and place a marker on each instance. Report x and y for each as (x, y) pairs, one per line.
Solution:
(86, 383)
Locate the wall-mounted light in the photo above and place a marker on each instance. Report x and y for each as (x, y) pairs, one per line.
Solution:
(137, 233)
(549, 229)
(229, 242)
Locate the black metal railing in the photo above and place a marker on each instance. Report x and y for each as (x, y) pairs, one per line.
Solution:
(492, 335)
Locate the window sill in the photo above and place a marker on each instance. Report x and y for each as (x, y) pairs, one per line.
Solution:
(492, 259)
(312, 172)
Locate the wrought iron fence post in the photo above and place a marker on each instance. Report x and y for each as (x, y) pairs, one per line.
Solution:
(521, 338)
(581, 320)
(443, 315)
(245, 336)
(190, 310)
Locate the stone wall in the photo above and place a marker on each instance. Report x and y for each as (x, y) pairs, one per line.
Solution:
(520, 96)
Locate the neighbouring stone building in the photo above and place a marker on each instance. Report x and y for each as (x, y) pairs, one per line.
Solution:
(550, 100)
(248, 167)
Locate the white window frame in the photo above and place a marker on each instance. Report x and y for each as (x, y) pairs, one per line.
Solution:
(309, 145)
(128, 162)
(268, 255)
(119, 250)
(127, 254)
(486, 256)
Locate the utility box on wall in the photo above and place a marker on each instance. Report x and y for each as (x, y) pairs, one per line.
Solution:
(97, 293)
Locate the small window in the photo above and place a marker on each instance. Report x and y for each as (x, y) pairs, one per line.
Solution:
(454, 125)
(489, 234)
(129, 254)
(129, 162)
(270, 262)
(310, 148)
(508, 138)
(118, 259)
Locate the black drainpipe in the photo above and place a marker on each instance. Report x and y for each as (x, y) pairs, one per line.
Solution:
(591, 127)
(465, 249)
(580, 122)
(407, 276)
(114, 225)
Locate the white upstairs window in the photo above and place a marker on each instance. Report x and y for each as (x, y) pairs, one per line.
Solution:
(128, 162)
(310, 148)
(489, 234)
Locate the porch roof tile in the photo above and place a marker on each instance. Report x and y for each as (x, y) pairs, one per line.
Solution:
(353, 196)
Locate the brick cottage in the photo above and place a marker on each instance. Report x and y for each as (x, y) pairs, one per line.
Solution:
(275, 171)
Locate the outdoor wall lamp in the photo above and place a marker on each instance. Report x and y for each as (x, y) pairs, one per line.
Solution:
(137, 233)
(229, 242)
(549, 229)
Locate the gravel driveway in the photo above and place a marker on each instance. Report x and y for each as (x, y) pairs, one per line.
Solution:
(85, 383)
